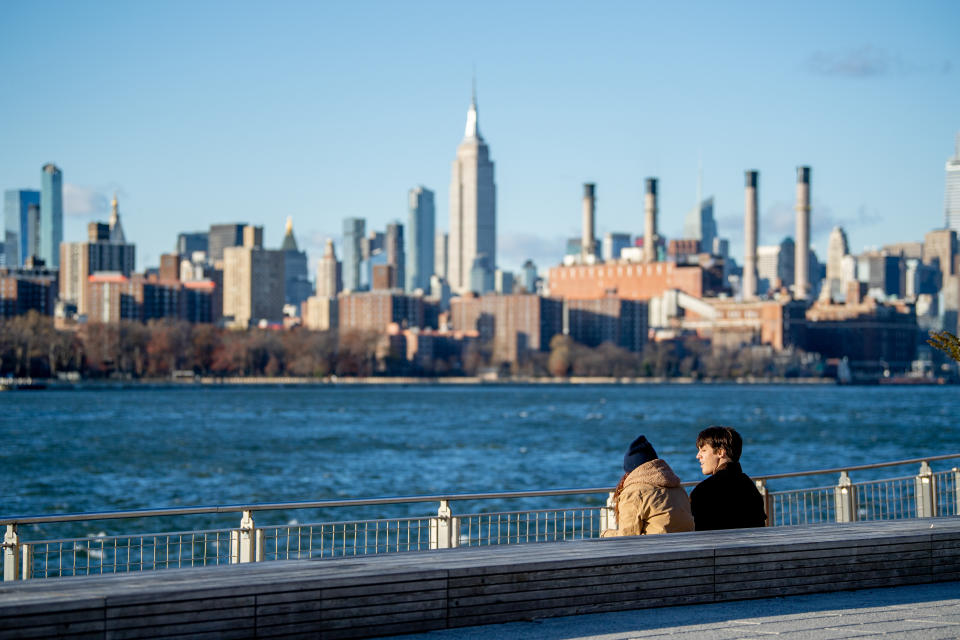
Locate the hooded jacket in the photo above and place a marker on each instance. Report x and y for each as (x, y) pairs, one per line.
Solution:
(651, 500)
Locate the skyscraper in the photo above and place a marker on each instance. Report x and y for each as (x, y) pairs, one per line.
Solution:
(353, 231)
(16, 218)
(396, 256)
(192, 241)
(420, 239)
(952, 196)
(700, 224)
(296, 284)
(328, 273)
(253, 282)
(116, 229)
(222, 236)
(837, 248)
(441, 253)
(473, 208)
(51, 215)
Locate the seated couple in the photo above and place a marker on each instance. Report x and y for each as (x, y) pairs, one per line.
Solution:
(649, 498)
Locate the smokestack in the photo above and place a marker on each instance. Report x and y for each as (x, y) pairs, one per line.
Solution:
(650, 228)
(801, 258)
(588, 249)
(749, 283)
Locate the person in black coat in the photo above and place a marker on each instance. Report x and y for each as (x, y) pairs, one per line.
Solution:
(728, 499)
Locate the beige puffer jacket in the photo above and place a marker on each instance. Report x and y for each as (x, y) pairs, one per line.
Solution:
(651, 500)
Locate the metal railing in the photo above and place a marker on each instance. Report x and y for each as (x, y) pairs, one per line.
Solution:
(923, 495)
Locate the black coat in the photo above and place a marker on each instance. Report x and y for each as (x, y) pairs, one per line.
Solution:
(727, 500)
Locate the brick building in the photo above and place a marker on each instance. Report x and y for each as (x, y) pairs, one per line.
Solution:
(870, 334)
(610, 319)
(376, 309)
(632, 281)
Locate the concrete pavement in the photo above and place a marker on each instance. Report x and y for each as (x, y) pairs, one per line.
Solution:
(930, 612)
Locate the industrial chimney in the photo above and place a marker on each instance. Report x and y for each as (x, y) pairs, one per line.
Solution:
(749, 283)
(801, 258)
(650, 228)
(588, 249)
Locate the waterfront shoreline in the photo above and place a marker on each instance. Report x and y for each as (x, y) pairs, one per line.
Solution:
(40, 384)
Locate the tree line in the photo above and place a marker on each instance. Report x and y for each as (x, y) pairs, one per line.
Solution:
(30, 346)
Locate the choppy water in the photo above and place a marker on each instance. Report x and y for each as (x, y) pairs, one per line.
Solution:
(71, 451)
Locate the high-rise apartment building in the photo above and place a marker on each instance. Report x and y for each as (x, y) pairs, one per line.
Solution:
(222, 236)
(952, 197)
(940, 247)
(253, 283)
(329, 281)
(353, 232)
(19, 206)
(396, 255)
(473, 208)
(105, 252)
(421, 225)
(51, 215)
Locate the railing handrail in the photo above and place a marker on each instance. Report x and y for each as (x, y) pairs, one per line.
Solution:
(361, 502)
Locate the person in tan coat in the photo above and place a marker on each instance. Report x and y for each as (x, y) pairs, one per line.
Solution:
(649, 498)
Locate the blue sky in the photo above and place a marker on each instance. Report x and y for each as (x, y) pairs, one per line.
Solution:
(206, 112)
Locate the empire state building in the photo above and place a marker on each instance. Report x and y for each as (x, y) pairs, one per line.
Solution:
(473, 212)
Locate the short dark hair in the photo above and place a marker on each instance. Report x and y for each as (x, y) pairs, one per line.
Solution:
(725, 438)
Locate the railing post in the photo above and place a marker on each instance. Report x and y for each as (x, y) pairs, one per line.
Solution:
(608, 517)
(444, 529)
(845, 499)
(11, 554)
(767, 500)
(956, 488)
(261, 546)
(26, 561)
(925, 492)
(243, 540)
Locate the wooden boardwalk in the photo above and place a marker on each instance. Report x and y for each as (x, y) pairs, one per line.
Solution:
(408, 592)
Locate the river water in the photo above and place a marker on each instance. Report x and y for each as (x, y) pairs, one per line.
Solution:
(98, 450)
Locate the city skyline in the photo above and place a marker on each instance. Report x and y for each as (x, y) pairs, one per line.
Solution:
(207, 132)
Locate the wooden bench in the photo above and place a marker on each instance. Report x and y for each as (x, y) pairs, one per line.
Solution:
(410, 592)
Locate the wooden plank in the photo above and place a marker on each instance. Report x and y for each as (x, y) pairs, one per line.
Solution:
(174, 606)
(388, 619)
(376, 612)
(159, 619)
(760, 561)
(49, 603)
(57, 630)
(829, 569)
(561, 572)
(330, 604)
(15, 621)
(359, 591)
(535, 605)
(651, 578)
(757, 588)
